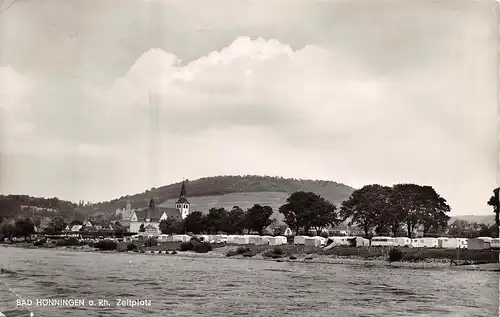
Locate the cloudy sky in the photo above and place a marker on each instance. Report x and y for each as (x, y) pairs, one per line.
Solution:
(357, 92)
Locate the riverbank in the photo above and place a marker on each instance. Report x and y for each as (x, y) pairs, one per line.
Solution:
(483, 260)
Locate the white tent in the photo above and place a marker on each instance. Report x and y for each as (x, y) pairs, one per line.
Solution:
(275, 241)
(265, 239)
(314, 241)
(242, 239)
(299, 240)
(495, 243)
(478, 244)
(402, 242)
(257, 240)
(382, 241)
(425, 243)
(448, 243)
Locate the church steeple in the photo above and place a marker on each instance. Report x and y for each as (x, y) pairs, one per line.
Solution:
(183, 190)
(150, 210)
(182, 203)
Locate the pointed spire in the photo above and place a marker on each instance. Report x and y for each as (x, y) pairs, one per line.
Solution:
(152, 203)
(183, 189)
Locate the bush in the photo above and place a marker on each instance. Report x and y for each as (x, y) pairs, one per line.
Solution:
(238, 251)
(324, 235)
(131, 246)
(186, 246)
(174, 252)
(150, 242)
(395, 255)
(194, 245)
(203, 247)
(275, 253)
(241, 250)
(40, 242)
(67, 242)
(106, 245)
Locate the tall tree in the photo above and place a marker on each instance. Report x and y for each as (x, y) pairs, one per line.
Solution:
(24, 227)
(408, 200)
(195, 222)
(170, 226)
(365, 207)
(495, 203)
(216, 219)
(58, 224)
(257, 218)
(8, 229)
(235, 221)
(433, 210)
(308, 210)
(325, 216)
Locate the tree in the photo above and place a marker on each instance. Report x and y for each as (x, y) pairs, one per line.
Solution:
(142, 229)
(24, 227)
(194, 222)
(257, 218)
(407, 199)
(215, 221)
(8, 229)
(17, 227)
(307, 210)
(420, 205)
(235, 221)
(433, 209)
(325, 216)
(278, 227)
(170, 226)
(365, 207)
(76, 223)
(57, 224)
(118, 229)
(495, 203)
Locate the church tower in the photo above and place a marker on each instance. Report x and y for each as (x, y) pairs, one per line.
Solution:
(182, 203)
(151, 209)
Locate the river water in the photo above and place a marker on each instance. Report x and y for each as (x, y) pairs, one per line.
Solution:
(177, 285)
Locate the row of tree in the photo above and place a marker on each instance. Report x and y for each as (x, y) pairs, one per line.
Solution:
(235, 221)
(387, 210)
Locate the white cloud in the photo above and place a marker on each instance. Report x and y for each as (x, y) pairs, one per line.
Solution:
(260, 107)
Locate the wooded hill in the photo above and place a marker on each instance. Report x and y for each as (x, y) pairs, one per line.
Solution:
(220, 185)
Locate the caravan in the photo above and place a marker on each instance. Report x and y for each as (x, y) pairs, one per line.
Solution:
(402, 242)
(425, 243)
(382, 242)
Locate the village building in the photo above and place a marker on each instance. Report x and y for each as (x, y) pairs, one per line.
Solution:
(149, 218)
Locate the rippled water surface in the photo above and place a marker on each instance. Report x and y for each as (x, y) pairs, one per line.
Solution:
(186, 286)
